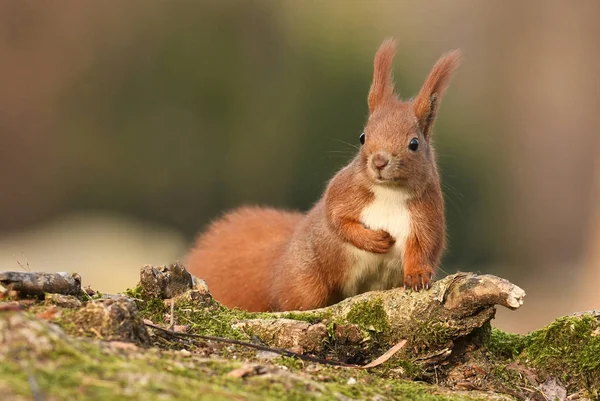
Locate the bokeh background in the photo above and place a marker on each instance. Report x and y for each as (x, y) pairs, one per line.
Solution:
(125, 127)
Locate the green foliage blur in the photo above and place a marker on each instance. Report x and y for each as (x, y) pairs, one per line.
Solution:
(193, 108)
(126, 127)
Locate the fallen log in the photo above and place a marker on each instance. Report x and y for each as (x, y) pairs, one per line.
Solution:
(429, 320)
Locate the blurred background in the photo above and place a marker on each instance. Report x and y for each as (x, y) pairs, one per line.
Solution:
(125, 127)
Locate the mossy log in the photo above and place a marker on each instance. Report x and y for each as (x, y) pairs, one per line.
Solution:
(452, 309)
(67, 347)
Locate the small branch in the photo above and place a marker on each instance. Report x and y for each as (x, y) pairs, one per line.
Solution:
(37, 284)
(386, 356)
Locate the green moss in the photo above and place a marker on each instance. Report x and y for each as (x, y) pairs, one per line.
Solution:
(362, 384)
(510, 378)
(400, 367)
(290, 363)
(207, 316)
(83, 369)
(65, 321)
(211, 318)
(427, 334)
(135, 292)
(153, 309)
(503, 345)
(14, 377)
(305, 317)
(570, 345)
(420, 392)
(331, 331)
(369, 315)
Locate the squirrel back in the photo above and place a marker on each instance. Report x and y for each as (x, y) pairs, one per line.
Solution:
(380, 223)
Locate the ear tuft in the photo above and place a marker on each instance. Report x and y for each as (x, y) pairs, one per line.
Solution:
(428, 100)
(382, 87)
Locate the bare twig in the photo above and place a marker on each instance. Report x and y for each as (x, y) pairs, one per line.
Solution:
(27, 269)
(384, 358)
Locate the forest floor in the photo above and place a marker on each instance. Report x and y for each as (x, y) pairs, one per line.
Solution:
(149, 344)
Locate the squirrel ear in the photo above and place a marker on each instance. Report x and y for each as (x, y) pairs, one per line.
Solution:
(382, 87)
(428, 100)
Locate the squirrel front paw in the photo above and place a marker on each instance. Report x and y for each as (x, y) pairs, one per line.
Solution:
(378, 242)
(418, 278)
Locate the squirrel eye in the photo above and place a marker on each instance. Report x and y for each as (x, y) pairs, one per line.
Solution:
(414, 144)
(361, 138)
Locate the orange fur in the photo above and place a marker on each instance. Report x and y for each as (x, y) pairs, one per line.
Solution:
(382, 88)
(427, 101)
(425, 246)
(234, 254)
(264, 259)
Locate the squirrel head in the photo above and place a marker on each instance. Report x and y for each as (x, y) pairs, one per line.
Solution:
(396, 142)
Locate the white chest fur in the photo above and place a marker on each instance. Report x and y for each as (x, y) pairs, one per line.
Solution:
(370, 271)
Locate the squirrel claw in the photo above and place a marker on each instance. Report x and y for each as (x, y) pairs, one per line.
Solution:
(419, 281)
(429, 281)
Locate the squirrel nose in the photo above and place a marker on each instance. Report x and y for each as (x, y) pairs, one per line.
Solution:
(380, 160)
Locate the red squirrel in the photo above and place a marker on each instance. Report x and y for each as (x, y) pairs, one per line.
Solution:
(380, 223)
